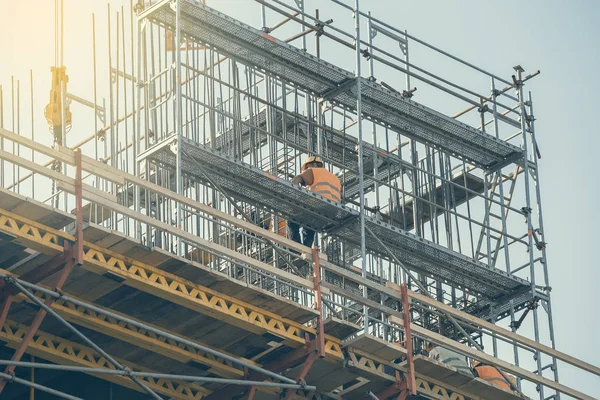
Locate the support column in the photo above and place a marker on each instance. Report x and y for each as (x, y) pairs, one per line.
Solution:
(410, 379)
(536, 156)
(320, 339)
(318, 303)
(531, 247)
(400, 388)
(300, 378)
(361, 185)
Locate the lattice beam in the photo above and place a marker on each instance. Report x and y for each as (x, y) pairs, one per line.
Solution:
(58, 350)
(168, 286)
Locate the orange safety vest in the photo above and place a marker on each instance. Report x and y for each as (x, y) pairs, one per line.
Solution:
(326, 184)
(281, 227)
(491, 375)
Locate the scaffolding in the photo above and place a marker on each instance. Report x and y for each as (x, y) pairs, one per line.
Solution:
(160, 240)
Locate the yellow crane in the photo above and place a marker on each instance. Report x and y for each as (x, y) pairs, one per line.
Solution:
(58, 114)
(54, 110)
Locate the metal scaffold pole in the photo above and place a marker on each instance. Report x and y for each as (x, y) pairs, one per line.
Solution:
(187, 203)
(179, 118)
(137, 374)
(361, 184)
(503, 215)
(544, 261)
(22, 285)
(531, 247)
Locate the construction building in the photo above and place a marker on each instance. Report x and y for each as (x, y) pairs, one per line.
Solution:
(158, 245)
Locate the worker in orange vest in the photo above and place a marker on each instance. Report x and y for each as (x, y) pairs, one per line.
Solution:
(281, 226)
(319, 181)
(491, 375)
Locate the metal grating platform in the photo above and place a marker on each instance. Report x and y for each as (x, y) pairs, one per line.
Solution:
(248, 45)
(340, 149)
(255, 48)
(254, 185)
(434, 260)
(251, 184)
(428, 126)
(402, 215)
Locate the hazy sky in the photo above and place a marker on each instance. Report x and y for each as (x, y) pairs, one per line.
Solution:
(557, 37)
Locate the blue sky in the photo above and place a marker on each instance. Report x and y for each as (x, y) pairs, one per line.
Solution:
(557, 37)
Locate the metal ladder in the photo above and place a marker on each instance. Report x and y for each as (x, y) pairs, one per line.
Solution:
(496, 238)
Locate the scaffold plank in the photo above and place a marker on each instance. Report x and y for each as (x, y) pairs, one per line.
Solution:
(325, 375)
(255, 48)
(441, 372)
(498, 330)
(444, 196)
(381, 374)
(341, 149)
(144, 339)
(357, 388)
(255, 186)
(241, 290)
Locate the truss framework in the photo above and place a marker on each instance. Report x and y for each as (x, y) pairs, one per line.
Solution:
(293, 104)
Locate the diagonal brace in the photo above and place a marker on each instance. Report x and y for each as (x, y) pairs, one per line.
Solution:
(81, 336)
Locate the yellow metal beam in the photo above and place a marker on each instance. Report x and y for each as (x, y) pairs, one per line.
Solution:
(169, 286)
(31, 234)
(425, 385)
(142, 338)
(61, 351)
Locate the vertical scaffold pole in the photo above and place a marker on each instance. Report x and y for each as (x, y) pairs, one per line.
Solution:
(503, 213)
(178, 125)
(318, 302)
(361, 186)
(411, 381)
(531, 247)
(536, 156)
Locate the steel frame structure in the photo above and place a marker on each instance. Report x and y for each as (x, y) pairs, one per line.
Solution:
(33, 233)
(327, 95)
(241, 97)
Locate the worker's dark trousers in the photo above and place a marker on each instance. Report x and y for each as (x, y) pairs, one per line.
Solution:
(309, 234)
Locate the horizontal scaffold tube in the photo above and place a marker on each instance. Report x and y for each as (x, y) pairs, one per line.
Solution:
(204, 379)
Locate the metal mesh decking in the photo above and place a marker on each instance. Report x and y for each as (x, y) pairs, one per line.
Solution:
(340, 149)
(244, 182)
(257, 49)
